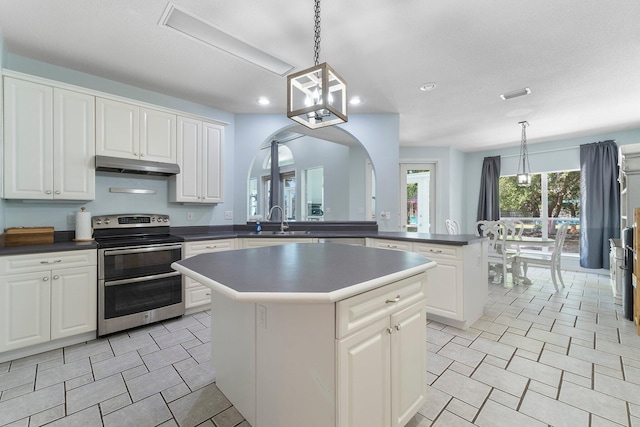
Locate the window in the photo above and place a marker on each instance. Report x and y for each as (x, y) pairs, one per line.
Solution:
(552, 199)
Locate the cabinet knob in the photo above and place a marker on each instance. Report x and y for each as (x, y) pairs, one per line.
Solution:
(56, 277)
(398, 327)
(390, 330)
(134, 153)
(45, 279)
(47, 192)
(393, 301)
(435, 251)
(57, 191)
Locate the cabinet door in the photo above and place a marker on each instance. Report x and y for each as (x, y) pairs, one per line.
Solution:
(24, 310)
(157, 136)
(212, 136)
(28, 140)
(73, 301)
(117, 129)
(364, 384)
(196, 295)
(73, 145)
(444, 289)
(408, 362)
(187, 182)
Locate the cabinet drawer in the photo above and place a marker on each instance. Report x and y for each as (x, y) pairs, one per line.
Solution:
(206, 246)
(436, 251)
(396, 245)
(358, 311)
(13, 264)
(197, 295)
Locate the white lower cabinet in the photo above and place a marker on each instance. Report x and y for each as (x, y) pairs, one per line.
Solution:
(197, 295)
(382, 367)
(45, 297)
(357, 362)
(457, 288)
(456, 292)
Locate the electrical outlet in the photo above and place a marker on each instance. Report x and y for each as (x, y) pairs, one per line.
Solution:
(189, 216)
(228, 214)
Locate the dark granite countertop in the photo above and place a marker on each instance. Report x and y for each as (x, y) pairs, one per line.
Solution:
(63, 239)
(301, 272)
(192, 234)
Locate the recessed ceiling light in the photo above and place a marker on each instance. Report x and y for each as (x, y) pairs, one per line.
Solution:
(355, 100)
(195, 27)
(515, 93)
(263, 100)
(427, 87)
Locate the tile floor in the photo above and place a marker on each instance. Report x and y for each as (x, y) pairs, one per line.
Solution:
(535, 358)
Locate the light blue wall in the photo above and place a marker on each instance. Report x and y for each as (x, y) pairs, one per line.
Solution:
(378, 134)
(17, 213)
(563, 154)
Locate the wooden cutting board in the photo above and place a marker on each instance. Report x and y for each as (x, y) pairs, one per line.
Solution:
(28, 236)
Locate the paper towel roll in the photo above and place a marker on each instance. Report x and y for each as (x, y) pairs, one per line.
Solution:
(83, 225)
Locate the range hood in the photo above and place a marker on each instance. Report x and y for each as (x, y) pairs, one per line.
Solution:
(144, 167)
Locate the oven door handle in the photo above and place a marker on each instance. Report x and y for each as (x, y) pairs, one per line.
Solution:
(142, 279)
(111, 252)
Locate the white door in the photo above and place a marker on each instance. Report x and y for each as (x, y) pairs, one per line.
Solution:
(417, 197)
(364, 377)
(212, 163)
(117, 129)
(24, 310)
(188, 156)
(28, 140)
(157, 136)
(409, 363)
(73, 145)
(73, 301)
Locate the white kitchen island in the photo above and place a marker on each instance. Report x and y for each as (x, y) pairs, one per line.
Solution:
(318, 334)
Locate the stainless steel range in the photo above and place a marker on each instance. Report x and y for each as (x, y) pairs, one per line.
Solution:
(136, 284)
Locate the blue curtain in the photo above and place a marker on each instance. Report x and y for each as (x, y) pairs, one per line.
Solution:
(600, 202)
(489, 200)
(274, 186)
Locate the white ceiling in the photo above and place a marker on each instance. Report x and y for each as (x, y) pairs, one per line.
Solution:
(581, 58)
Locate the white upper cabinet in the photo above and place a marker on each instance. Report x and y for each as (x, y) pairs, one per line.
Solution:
(132, 132)
(157, 136)
(48, 142)
(200, 160)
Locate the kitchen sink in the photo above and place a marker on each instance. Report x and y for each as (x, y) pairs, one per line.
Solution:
(290, 233)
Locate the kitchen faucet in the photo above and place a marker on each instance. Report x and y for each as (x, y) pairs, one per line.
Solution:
(282, 226)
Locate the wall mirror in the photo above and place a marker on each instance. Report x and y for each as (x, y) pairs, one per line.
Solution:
(324, 177)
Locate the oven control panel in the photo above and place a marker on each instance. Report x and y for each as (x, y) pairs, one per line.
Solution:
(130, 221)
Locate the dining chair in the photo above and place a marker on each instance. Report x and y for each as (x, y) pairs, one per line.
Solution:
(552, 260)
(516, 224)
(501, 259)
(452, 226)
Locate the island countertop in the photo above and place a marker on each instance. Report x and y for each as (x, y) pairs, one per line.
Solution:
(301, 272)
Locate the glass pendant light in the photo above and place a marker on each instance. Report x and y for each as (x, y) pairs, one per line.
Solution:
(317, 96)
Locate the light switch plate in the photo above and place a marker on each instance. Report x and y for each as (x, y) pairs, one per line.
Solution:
(228, 214)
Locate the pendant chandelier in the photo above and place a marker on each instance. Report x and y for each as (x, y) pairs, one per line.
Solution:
(317, 96)
(524, 177)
